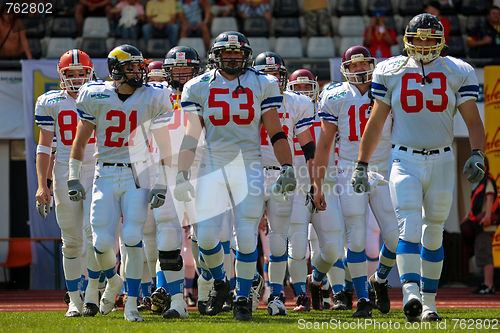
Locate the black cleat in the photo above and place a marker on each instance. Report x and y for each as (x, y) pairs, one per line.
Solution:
(190, 300)
(315, 290)
(326, 300)
(145, 304)
(342, 300)
(364, 309)
(242, 309)
(431, 316)
(202, 307)
(382, 300)
(303, 303)
(228, 303)
(217, 296)
(66, 298)
(72, 314)
(90, 309)
(372, 297)
(412, 310)
(160, 301)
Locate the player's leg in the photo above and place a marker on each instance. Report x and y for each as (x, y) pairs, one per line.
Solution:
(297, 248)
(226, 233)
(381, 205)
(438, 195)
(406, 195)
(189, 267)
(266, 252)
(373, 243)
(69, 217)
(205, 281)
(148, 281)
(105, 215)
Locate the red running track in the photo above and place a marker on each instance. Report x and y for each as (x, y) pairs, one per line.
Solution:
(52, 300)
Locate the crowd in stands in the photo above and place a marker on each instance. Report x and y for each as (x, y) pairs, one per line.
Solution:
(472, 27)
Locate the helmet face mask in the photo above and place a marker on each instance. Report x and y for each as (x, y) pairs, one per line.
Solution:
(358, 54)
(119, 65)
(424, 27)
(231, 62)
(273, 64)
(302, 78)
(70, 68)
(181, 64)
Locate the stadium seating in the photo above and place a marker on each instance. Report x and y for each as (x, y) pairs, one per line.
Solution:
(287, 27)
(259, 44)
(19, 255)
(320, 47)
(456, 46)
(221, 24)
(196, 43)
(286, 8)
(385, 5)
(454, 24)
(35, 27)
(289, 47)
(139, 43)
(35, 47)
(256, 27)
(348, 7)
(97, 27)
(63, 27)
(474, 7)
(351, 26)
(347, 42)
(156, 48)
(94, 47)
(57, 46)
(471, 22)
(410, 7)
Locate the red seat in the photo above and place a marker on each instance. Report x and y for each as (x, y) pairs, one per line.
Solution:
(19, 254)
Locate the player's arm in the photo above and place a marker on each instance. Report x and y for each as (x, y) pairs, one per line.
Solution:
(43, 158)
(471, 117)
(308, 148)
(189, 143)
(278, 138)
(373, 130)
(162, 139)
(321, 159)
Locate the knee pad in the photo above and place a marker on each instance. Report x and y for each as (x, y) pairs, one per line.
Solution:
(132, 234)
(277, 244)
(170, 260)
(103, 242)
(357, 235)
(432, 237)
(246, 240)
(329, 252)
(169, 236)
(72, 249)
(437, 207)
(297, 245)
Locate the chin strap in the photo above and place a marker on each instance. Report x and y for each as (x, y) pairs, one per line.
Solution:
(362, 76)
(425, 79)
(239, 86)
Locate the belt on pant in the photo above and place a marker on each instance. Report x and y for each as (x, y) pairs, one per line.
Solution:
(423, 151)
(272, 167)
(126, 165)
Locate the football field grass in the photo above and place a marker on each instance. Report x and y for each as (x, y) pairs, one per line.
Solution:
(454, 320)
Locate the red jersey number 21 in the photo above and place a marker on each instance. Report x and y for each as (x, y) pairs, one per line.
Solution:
(122, 123)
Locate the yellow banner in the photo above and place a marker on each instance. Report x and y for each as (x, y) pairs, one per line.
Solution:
(492, 128)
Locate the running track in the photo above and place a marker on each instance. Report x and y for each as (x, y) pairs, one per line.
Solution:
(52, 300)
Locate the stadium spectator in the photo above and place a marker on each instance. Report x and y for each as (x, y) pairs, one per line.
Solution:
(161, 18)
(379, 38)
(224, 8)
(193, 22)
(484, 39)
(128, 13)
(316, 17)
(255, 8)
(13, 41)
(86, 8)
(434, 8)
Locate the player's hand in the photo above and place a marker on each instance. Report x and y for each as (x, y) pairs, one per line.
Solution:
(319, 200)
(157, 197)
(476, 164)
(76, 191)
(42, 195)
(286, 181)
(359, 178)
(44, 208)
(183, 191)
(311, 206)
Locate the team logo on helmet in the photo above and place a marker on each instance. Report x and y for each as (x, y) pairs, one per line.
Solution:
(270, 61)
(232, 38)
(180, 55)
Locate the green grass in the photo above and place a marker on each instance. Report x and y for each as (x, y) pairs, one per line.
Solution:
(262, 323)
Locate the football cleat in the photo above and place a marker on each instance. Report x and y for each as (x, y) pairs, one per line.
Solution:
(342, 300)
(276, 305)
(242, 309)
(303, 303)
(228, 303)
(178, 309)
(364, 309)
(382, 300)
(160, 301)
(217, 296)
(74, 309)
(66, 298)
(90, 309)
(108, 298)
(430, 316)
(257, 286)
(190, 300)
(144, 304)
(315, 290)
(371, 297)
(202, 307)
(326, 300)
(412, 310)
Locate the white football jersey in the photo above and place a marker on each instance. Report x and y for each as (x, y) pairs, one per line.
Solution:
(296, 116)
(344, 106)
(423, 114)
(55, 111)
(231, 111)
(123, 128)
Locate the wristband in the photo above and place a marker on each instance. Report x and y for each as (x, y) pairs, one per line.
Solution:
(162, 175)
(74, 168)
(43, 150)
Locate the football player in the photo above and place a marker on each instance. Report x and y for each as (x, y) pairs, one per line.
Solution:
(345, 108)
(423, 90)
(296, 115)
(231, 102)
(55, 114)
(123, 113)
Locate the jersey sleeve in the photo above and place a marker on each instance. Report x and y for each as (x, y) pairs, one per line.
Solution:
(469, 89)
(379, 85)
(305, 116)
(163, 110)
(84, 106)
(44, 116)
(191, 101)
(272, 97)
(327, 110)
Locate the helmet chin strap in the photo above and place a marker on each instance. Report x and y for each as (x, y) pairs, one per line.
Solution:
(362, 76)
(239, 86)
(425, 79)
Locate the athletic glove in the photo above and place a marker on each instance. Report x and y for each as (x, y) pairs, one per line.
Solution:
(286, 181)
(476, 164)
(76, 191)
(157, 197)
(310, 201)
(359, 178)
(43, 209)
(183, 191)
